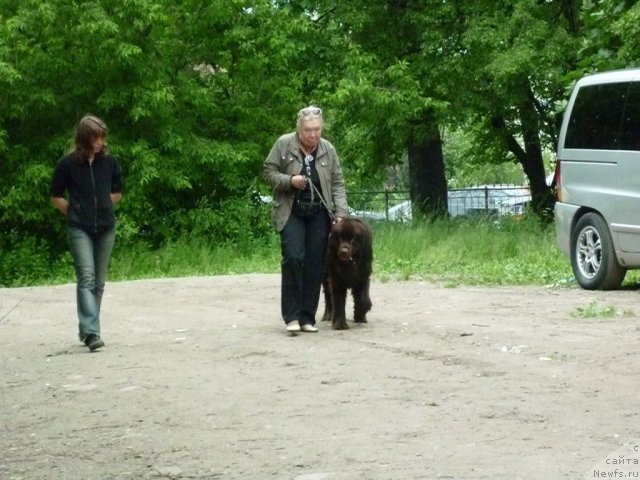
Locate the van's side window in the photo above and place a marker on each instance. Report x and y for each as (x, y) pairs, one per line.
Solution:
(630, 125)
(596, 115)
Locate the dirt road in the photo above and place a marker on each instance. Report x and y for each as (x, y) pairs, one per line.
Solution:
(198, 380)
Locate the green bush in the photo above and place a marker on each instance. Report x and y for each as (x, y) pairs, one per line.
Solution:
(238, 238)
(27, 261)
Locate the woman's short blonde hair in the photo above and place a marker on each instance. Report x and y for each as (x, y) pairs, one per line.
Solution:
(308, 113)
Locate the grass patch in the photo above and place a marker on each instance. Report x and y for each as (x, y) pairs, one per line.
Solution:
(194, 257)
(449, 252)
(596, 310)
(454, 253)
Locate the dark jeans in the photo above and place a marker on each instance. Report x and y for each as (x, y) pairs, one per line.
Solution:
(91, 254)
(304, 242)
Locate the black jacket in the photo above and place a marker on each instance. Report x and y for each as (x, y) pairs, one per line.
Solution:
(89, 188)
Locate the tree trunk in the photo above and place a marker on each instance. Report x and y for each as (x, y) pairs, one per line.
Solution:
(427, 181)
(532, 161)
(530, 157)
(571, 11)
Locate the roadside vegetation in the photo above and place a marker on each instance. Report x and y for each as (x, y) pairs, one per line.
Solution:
(597, 310)
(451, 252)
(462, 252)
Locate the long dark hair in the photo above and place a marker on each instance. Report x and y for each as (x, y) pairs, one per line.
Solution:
(89, 129)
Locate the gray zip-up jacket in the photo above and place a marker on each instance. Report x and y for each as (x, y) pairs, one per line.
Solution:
(285, 160)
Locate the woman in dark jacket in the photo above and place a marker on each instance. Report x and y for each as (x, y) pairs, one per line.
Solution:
(92, 181)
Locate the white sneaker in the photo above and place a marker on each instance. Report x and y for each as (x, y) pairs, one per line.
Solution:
(293, 326)
(307, 327)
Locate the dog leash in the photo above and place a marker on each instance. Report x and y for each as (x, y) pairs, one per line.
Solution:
(307, 163)
(331, 215)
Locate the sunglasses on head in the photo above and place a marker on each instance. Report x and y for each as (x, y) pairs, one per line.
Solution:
(310, 112)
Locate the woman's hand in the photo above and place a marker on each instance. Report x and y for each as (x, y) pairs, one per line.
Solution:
(299, 182)
(61, 204)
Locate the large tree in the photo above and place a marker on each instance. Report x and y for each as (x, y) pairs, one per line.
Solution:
(515, 57)
(194, 92)
(387, 97)
(494, 67)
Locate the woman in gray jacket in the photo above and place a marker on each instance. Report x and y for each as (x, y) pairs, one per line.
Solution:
(308, 194)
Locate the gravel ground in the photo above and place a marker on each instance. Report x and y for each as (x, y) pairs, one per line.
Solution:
(199, 380)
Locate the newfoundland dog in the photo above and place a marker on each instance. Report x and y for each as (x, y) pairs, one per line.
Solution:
(347, 265)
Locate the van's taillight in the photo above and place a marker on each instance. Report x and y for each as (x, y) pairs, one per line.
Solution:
(556, 182)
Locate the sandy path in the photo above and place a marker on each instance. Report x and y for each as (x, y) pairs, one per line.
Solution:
(199, 381)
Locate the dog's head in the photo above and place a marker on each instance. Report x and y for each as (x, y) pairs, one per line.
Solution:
(350, 239)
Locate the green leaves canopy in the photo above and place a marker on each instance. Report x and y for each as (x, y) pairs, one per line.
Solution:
(192, 92)
(196, 92)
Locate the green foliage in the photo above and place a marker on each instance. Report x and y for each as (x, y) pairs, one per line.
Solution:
(452, 253)
(518, 53)
(195, 93)
(192, 256)
(610, 42)
(27, 261)
(498, 75)
(383, 92)
(233, 221)
(596, 310)
(464, 168)
(508, 253)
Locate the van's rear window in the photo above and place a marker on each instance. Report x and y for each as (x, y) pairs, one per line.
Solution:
(596, 117)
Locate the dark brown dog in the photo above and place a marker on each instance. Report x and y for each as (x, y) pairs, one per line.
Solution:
(348, 265)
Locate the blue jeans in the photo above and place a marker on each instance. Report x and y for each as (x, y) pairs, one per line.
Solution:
(304, 243)
(91, 254)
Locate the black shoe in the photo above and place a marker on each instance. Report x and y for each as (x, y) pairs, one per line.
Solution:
(94, 342)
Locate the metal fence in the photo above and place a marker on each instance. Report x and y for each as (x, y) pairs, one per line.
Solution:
(470, 202)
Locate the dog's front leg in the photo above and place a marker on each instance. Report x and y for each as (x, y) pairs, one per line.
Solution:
(328, 300)
(339, 296)
(361, 303)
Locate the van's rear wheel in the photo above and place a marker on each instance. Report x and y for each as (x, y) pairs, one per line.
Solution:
(593, 257)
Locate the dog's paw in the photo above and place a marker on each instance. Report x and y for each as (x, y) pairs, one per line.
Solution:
(340, 326)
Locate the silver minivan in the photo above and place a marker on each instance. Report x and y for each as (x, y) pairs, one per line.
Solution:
(597, 213)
